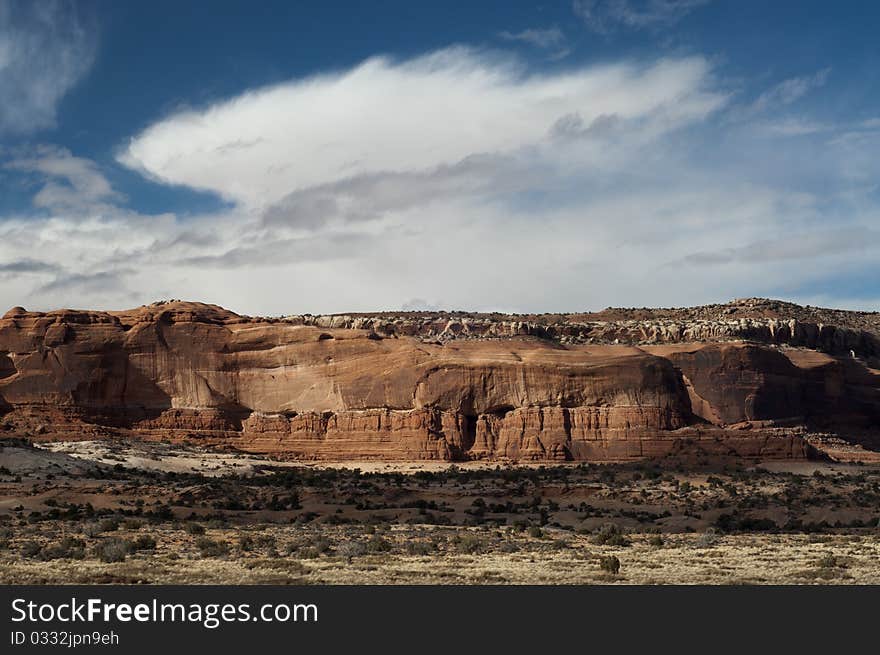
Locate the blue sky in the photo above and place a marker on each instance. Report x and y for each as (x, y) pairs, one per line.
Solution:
(280, 157)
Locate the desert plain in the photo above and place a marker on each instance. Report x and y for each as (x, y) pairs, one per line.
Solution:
(121, 513)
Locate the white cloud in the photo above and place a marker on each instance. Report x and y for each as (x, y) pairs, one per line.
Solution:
(385, 116)
(456, 176)
(45, 49)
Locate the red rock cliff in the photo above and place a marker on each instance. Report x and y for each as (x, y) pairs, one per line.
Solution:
(193, 371)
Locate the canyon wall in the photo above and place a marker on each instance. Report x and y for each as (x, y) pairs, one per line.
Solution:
(339, 389)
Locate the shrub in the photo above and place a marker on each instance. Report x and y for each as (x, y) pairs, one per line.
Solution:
(419, 548)
(194, 528)
(656, 541)
(144, 542)
(67, 548)
(112, 549)
(535, 531)
(91, 529)
(264, 541)
(30, 549)
(610, 535)
(708, 539)
(470, 544)
(350, 549)
(109, 525)
(830, 561)
(313, 549)
(377, 544)
(211, 547)
(610, 564)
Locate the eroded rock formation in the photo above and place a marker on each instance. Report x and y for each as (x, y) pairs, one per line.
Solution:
(436, 386)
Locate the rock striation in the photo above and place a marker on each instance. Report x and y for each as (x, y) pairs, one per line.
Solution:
(758, 320)
(442, 386)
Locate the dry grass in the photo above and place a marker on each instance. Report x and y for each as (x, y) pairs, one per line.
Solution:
(555, 559)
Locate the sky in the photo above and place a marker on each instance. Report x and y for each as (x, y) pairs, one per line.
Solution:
(314, 157)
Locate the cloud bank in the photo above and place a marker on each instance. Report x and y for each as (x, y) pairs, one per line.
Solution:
(386, 116)
(465, 178)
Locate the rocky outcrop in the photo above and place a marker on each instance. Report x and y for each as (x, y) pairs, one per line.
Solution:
(349, 388)
(772, 331)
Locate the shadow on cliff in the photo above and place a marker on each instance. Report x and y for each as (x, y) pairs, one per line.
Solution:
(755, 385)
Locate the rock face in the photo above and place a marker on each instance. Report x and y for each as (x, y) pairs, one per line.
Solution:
(353, 388)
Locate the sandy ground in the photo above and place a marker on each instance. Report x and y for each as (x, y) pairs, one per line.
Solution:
(167, 458)
(178, 459)
(159, 457)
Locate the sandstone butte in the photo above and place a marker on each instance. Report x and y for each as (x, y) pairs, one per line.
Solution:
(752, 378)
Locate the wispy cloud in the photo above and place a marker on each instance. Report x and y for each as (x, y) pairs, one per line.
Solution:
(87, 285)
(551, 39)
(816, 245)
(794, 127)
(69, 183)
(787, 92)
(45, 49)
(540, 38)
(28, 266)
(606, 16)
